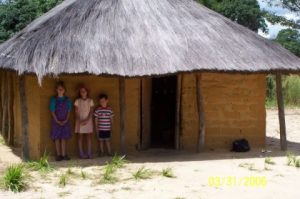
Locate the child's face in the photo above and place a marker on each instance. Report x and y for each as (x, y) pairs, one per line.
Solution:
(60, 91)
(103, 102)
(83, 93)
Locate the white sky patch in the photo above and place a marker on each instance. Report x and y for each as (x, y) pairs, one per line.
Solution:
(274, 29)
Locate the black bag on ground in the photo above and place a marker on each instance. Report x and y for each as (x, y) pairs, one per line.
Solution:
(240, 145)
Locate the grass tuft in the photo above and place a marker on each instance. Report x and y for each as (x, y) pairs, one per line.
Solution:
(111, 168)
(108, 176)
(83, 174)
(142, 173)
(42, 164)
(63, 180)
(291, 159)
(268, 160)
(297, 163)
(70, 171)
(168, 172)
(14, 178)
(118, 161)
(2, 141)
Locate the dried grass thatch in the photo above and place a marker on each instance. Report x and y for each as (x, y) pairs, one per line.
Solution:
(137, 38)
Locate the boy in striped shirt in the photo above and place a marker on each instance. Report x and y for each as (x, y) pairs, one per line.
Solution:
(103, 122)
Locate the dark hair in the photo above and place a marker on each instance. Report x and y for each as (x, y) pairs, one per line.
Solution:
(60, 84)
(82, 86)
(103, 96)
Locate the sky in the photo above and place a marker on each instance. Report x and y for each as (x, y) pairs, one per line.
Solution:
(274, 29)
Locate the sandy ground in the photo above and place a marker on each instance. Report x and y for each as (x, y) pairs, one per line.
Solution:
(207, 175)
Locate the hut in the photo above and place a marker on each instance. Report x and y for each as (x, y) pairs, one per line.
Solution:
(177, 74)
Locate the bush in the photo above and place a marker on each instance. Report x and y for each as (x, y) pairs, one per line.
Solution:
(291, 86)
(291, 90)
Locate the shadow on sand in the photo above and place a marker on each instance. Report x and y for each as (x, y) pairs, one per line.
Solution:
(168, 155)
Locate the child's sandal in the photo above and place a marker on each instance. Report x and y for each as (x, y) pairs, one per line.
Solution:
(89, 156)
(83, 156)
(66, 157)
(59, 158)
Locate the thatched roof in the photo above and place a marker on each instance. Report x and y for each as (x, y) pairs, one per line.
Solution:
(137, 38)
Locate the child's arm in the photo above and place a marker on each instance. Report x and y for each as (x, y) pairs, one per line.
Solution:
(67, 119)
(77, 114)
(69, 110)
(112, 117)
(90, 116)
(96, 124)
(76, 104)
(55, 118)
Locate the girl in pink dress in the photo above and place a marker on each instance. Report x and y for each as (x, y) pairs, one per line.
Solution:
(84, 121)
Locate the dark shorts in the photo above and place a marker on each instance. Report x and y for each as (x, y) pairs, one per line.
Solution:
(104, 135)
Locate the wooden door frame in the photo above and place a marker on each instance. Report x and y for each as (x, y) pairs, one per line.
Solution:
(144, 136)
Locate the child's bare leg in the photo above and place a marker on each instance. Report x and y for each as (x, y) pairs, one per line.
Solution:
(101, 146)
(107, 142)
(80, 139)
(89, 143)
(57, 146)
(63, 147)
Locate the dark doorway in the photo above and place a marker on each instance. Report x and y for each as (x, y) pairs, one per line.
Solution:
(163, 112)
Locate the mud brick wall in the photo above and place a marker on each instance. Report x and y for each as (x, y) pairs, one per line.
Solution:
(234, 108)
(40, 118)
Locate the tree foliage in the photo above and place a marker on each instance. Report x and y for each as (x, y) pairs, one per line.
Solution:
(290, 39)
(16, 14)
(244, 12)
(292, 5)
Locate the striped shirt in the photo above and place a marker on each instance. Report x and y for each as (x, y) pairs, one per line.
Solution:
(104, 117)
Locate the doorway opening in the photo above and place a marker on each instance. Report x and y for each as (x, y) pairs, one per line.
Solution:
(163, 112)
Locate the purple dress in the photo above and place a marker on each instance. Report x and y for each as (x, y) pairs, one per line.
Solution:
(61, 111)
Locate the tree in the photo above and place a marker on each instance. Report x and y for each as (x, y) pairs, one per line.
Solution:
(292, 5)
(16, 14)
(290, 39)
(244, 12)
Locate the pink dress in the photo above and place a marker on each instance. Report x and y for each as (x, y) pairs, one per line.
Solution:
(84, 107)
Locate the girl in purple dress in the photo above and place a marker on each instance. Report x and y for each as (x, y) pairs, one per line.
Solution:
(60, 107)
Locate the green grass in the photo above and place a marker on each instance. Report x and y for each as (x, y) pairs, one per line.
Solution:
(168, 172)
(108, 175)
(63, 180)
(83, 175)
(111, 168)
(14, 178)
(142, 173)
(268, 160)
(70, 171)
(42, 164)
(297, 163)
(63, 194)
(249, 166)
(2, 141)
(118, 161)
(291, 91)
(291, 159)
(270, 103)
